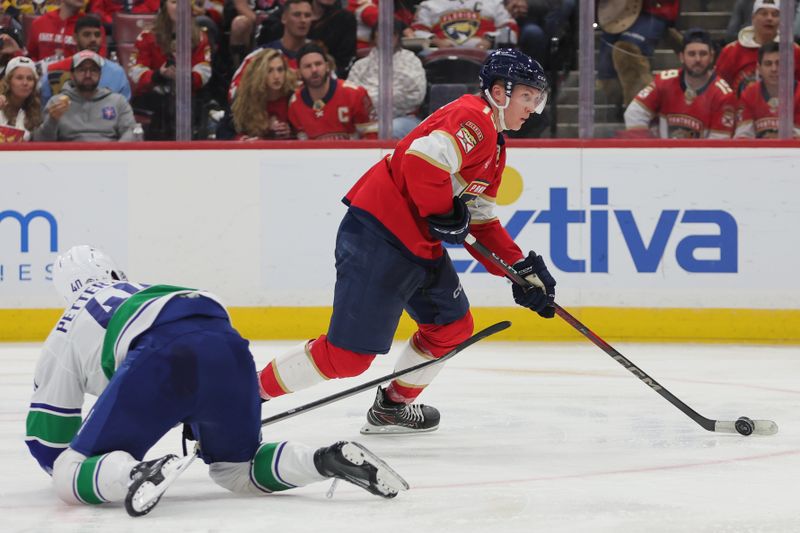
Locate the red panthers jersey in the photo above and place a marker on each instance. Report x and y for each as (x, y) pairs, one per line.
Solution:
(346, 112)
(457, 150)
(682, 112)
(758, 112)
(464, 22)
(737, 65)
(148, 57)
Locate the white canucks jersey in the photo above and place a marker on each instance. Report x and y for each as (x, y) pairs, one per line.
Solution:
(82, 352)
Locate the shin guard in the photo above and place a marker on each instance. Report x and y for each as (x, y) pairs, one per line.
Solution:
(429, 342)
(92, 480)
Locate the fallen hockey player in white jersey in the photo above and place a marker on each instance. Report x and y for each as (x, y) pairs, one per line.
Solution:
(156, 356)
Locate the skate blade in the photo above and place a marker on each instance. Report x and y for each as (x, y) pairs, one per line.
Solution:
(389, 481)
(369, 429)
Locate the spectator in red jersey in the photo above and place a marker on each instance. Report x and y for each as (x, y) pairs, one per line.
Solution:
(625, 49)
(469, 24)
(88, 36)
(153, 70)
(52, 34)
(689, 103)
(757, 115)
(737, 61)
(105, 9)
(20, 107)
(326, 108)
(261, 107)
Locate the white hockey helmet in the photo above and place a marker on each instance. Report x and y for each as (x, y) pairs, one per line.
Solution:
(81, 265)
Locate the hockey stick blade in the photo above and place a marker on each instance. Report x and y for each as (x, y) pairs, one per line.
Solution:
(758, 427)
(482, 334)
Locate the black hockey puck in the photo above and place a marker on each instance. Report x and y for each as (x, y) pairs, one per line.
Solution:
(744, 426)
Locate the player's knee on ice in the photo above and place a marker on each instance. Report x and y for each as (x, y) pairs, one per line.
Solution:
(102, 478)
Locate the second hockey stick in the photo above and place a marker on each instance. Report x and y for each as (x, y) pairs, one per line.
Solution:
(482, 334)
(743, 425)
(143, 496)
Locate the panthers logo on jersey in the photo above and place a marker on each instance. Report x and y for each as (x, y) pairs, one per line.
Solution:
(460, 26)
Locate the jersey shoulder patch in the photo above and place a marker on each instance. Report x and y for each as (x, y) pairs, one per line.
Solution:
(469, 134)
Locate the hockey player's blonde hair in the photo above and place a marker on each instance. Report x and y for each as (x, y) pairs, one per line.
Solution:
(250, 115)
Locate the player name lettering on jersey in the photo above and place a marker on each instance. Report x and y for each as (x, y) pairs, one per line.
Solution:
(766, 127)
(685, 122)
(80, 302)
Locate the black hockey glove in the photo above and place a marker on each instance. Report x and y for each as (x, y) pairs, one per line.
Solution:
(541, 296)
(452, 227)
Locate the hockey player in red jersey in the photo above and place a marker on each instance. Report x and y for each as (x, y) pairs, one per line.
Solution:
(439, 184)
(757, 115)
(328, 109)
(691, 102)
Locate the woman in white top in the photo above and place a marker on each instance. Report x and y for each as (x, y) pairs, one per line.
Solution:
(20, 106)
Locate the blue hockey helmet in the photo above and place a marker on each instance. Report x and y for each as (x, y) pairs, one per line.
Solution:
(514, 67)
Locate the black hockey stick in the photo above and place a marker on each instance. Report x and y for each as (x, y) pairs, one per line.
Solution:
(743, 425)
(482, 334)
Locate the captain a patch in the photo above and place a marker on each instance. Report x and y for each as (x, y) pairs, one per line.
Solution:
(109, 113)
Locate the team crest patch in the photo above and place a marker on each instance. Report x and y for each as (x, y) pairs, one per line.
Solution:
(467, 139)
(460, 26)
(109, 113)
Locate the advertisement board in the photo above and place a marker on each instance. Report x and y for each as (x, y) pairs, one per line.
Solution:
(622, 229)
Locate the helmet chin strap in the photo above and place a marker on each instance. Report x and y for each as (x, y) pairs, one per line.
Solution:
(501, 115)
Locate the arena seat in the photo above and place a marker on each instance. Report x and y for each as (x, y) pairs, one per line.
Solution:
(128, 26)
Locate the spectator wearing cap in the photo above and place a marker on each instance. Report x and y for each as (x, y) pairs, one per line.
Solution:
(52, 35)
(84, 111)
(408, 81)
(327, 108)
(88, 36)
(738, 60)
(757, 115)
(691, 102)
(20, 109)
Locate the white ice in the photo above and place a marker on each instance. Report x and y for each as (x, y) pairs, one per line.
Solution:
(534, 438)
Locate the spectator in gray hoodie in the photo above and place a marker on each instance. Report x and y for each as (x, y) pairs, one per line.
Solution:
(82, 111)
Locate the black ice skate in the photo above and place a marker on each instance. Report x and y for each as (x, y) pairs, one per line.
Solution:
(387, 417)
(354, 463)
(150, 479)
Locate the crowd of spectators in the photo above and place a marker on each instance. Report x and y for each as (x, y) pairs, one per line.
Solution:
(308, 69)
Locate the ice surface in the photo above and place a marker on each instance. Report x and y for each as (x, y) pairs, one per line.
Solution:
(534, 438)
